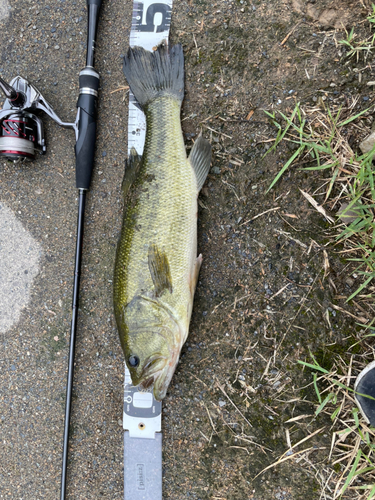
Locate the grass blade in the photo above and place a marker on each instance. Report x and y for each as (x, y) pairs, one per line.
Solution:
(360, 288)
(286, 166)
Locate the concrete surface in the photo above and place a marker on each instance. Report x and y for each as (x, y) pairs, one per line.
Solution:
(4, 9)
(45, 42)
(19, 264)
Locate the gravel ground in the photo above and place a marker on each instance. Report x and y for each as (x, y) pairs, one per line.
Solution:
(224, 417)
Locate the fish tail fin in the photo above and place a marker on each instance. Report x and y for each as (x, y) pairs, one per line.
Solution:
(155, 74)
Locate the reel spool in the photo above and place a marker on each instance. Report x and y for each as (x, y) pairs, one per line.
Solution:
(21, 131)
(21, 136)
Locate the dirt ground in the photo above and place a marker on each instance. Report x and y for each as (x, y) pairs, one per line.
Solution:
(263, 300)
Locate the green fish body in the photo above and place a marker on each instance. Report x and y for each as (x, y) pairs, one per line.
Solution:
(157, 266)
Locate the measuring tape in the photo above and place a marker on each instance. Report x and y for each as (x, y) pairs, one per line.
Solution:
(151, 22)
(150, 26)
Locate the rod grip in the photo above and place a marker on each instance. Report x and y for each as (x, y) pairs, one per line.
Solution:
(85, 149)
(85, 145)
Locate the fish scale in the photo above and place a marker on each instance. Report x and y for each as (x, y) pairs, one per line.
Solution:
(166, 210)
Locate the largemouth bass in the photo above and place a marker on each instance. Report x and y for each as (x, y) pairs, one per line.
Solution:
(157, 267)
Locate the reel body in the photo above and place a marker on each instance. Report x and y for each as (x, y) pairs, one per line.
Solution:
(21, 135)
(21, 130)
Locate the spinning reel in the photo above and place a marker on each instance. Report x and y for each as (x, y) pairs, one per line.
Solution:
(22, 137)
(21, 131)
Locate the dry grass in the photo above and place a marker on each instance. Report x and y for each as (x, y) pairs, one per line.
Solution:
(323, 138)
(348, 469)
(326, 140)
(351, 457)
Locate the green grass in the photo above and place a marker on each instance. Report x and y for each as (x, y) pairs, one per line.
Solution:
(352, 449)
(320, 141)
(357, 47)
(319, 136)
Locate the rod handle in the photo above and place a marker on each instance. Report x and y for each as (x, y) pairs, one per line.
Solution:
(85, 145)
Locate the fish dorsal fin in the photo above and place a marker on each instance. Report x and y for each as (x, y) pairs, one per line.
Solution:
(200, 160)
(159, 269)
(131, 169)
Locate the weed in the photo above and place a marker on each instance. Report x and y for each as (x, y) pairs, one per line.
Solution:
(321, 137)
(356, 47)
(352, 448)
(371, 17)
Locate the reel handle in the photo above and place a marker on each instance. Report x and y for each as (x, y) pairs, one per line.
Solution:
(9, 92)
(17, 99)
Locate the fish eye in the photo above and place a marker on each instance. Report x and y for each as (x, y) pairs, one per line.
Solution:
(133, 361)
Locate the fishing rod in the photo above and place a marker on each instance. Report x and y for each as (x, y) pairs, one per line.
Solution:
(22, 137)
(84, 151)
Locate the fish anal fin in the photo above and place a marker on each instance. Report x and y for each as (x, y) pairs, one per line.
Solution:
(200, 160)
(131, 169)
(160, 271)
(195, 273)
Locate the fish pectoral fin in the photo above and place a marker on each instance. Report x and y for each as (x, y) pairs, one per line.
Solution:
(159, 269)
(200, 160)
(132, 165)
(195, 273)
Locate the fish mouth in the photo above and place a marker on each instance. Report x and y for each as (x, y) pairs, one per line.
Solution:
(151, 371)
(161, 383)
(157, 374)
